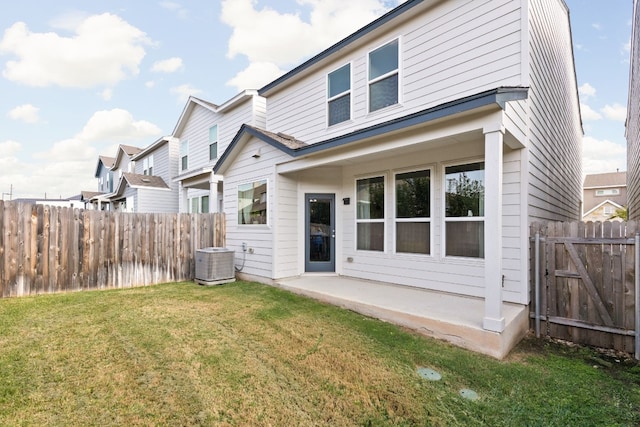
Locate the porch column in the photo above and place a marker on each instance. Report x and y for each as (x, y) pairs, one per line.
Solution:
(213, 192)
(493, 145)
(183, 200)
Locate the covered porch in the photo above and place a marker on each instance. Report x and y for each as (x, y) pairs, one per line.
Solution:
(454, 318)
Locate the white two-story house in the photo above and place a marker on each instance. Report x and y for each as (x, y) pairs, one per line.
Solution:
(416, 151)
(204, 130)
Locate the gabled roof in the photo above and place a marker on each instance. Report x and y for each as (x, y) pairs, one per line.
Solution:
(148, 149)
(606, 202)
(134, 180)
(106, 162)
(609, 179)
(88, 195)
(125, 150)
(193, 101)
(295, 148)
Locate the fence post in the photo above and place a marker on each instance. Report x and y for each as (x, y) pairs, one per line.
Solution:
(537, 282)
(637, 290)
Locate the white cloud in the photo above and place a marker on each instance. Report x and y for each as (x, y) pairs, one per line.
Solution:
(265, 35)
(615, 112)
(26, 113)
(181, 12)
(184, 91)
(587, 90)
(600, 156)
(256, 75)
(597, 26)
(106, 94)
(9, 148)
(116, 125)
(589, 114)
(67, 150)
(150, 84)
(104, 50)
(170, 65)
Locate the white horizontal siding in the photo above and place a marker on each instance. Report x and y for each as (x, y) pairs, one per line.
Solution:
(451, 50)
(555, 173)
(633, 123)
(287, 217)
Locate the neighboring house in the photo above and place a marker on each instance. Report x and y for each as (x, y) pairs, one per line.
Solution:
(104, 175)
(149, 187)
(603, 194)
(73, 202)
(121, 163)
(416, 151)
(204, 131)
(633, 120)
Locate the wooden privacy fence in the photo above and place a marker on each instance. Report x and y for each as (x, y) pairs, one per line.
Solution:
(47, 249)
(585, 284)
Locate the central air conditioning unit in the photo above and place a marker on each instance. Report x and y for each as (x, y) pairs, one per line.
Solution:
(215, 266)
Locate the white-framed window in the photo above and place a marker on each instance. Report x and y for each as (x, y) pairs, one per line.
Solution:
(413, 211)
(195, 205)
(370, 219)
(204, 204)
(384, 76)
(213, 142)
(464, 210)
(252, 202)
(608, 192)
(147, 165)
(608, 210)
(339, 95)
(184, 155)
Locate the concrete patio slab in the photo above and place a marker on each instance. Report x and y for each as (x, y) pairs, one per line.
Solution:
(454, 318)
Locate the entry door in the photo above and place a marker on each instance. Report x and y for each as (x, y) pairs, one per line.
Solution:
(320, 233)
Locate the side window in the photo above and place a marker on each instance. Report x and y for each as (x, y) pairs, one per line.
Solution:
(184, 155)
(413, 212)
(204, 204)
(383, 76)
(464, 210)
(370, 214)
(213, 142)
(147, 165)
(339, 95)
(252, 202)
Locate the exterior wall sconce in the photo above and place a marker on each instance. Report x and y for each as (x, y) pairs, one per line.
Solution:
(256, 155)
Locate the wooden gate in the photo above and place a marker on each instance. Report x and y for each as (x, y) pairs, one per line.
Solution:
(585, 289)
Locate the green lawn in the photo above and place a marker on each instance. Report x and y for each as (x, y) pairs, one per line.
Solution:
(251, 355)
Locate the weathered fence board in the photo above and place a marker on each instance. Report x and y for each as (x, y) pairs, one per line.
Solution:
(47, 249)
(587, 282)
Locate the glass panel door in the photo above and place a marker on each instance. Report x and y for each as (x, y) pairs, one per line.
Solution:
(320, 233)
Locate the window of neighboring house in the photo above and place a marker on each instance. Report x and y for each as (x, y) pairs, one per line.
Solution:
(195, 203)
(383, 76)
(101, 183)
(204, 204)
(464, 210)
(252, 202)
(608, 192)
(147, 165)
(413, 212)
(110, 182)
(608, 210)
(184, 155)
(370, 214)
(339, 95)
(213, 142)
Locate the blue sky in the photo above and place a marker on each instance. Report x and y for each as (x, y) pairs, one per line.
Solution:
(78, 78)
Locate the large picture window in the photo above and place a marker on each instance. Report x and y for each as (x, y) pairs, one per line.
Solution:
(339, 95)
(413, 212)
(383, 76)
(370, 213)
(252, 203)
(464, 210)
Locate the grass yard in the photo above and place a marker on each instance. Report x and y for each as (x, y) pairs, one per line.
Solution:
(245, 354)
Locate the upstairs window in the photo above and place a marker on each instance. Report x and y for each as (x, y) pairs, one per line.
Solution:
(147, 165)
(464, 210)
(608, 192)
(184, 155)
(213, 142)
(413, 212)
(339, 95)
(383, 76)
(370, 214)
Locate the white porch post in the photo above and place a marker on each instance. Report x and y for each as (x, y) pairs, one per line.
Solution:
(213, 192)
(493, 145)
(183, 202)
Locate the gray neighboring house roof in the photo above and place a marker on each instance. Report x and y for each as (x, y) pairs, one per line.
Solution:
(601, 181)
(609, 179)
